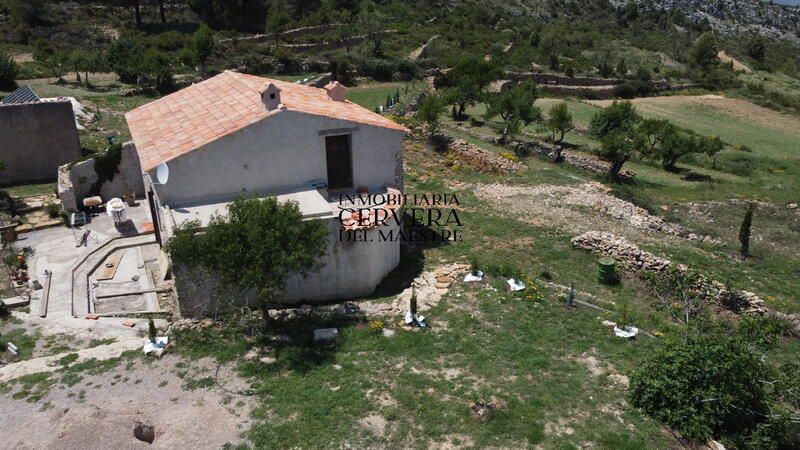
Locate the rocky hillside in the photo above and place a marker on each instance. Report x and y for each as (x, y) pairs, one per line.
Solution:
(737, 16)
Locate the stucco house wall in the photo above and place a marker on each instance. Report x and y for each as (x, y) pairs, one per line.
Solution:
(351, 270)
(279, 154)
(36, 138)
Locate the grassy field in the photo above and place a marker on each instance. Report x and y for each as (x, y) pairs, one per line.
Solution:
(372, 95)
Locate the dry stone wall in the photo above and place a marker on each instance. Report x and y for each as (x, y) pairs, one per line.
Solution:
(478, 158)
(582, 161)
(633, 259)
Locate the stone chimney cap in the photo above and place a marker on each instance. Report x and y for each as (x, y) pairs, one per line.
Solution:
(336, 91)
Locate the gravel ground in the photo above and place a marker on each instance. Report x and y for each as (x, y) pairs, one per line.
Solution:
(100, 411)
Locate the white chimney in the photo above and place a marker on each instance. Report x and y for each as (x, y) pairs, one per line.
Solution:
(336, 91)
(270, 96)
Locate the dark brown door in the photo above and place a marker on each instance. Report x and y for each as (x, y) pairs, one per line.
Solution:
(340, 166)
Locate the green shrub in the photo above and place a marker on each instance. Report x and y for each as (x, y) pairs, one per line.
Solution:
(707, 388)
(761, 331)
(53, 210)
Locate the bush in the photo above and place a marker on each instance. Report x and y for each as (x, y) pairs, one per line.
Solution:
(761, 331)
(633, 89)
(708, 388)
(53, 210)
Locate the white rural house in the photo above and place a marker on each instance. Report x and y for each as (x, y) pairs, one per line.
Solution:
(237, 133)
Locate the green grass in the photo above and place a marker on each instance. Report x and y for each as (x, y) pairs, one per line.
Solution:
(28, 190)
(372, 95)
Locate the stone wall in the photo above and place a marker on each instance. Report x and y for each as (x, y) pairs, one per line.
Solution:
(633, 259)
(35, 139)
(562, 80)
(288, 34)
(75, 181)
(476, 157)
(582, 161)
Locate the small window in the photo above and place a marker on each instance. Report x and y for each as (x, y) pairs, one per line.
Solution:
(272, 96)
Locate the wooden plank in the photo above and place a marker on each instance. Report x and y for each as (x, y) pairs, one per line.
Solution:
(106, 272)
(45, 295)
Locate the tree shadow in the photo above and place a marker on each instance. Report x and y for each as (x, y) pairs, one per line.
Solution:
(293, 340)
(697, 177)
(412, 258)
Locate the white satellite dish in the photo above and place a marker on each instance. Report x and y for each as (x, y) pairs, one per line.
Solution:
(162, 173)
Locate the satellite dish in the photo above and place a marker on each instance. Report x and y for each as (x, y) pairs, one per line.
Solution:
(162, 173)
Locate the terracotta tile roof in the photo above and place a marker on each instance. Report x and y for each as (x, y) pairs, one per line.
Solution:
(204, 112)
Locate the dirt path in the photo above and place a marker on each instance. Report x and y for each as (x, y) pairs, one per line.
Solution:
(737, 65)
(100, 411)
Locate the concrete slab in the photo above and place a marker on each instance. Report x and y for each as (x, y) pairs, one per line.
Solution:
(311, 203)
(14, 302)
(55, 249)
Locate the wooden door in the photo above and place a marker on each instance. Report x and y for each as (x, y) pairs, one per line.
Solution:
(340, 164)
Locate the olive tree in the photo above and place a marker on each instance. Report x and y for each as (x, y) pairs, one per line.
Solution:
(616, 127)
(466, 83)
(515, 108)
(665, 142)
(254, 248)
(559, 120)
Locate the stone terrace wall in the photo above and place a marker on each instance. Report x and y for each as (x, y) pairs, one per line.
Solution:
(585, 162)
(633, 259)
(562, 80)
(478, 158)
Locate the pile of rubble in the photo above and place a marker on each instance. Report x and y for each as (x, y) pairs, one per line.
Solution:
(429, 287)
(478, 158)
(634, 259)
(593, 195)
(629, 256)
(598, 196)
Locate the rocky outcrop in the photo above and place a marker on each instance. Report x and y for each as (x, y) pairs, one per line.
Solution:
(633, 259)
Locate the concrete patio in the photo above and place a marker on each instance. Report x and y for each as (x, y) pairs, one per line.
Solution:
(73, 262)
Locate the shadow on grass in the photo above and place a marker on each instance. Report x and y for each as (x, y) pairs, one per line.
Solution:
(412, 259)
(293, 341)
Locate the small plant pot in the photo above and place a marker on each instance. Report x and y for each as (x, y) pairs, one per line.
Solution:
(131, 200)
